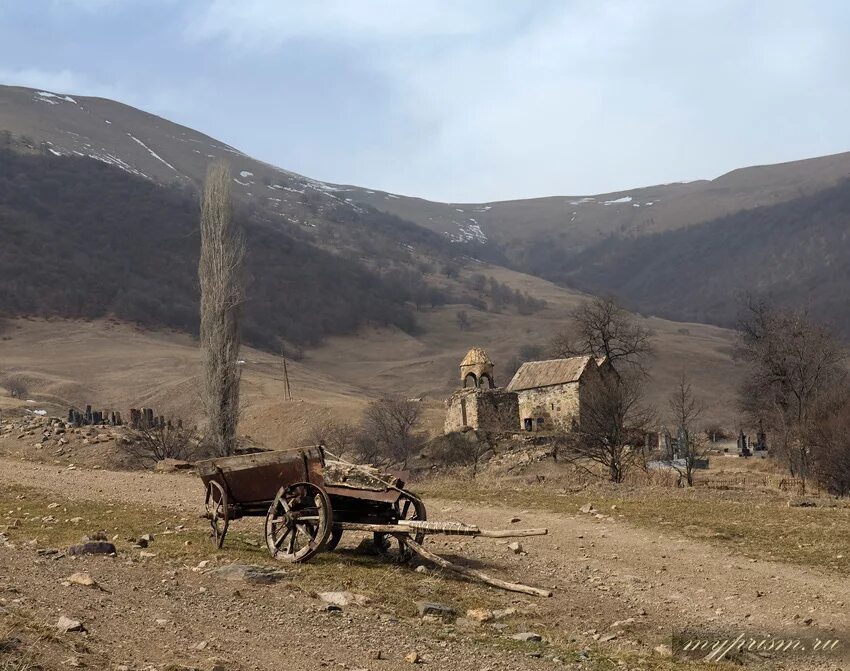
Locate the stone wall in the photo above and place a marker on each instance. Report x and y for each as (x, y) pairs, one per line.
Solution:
(484, 409)
(554, 408)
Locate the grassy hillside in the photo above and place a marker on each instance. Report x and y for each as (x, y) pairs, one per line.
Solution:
(796, 253)
(81, 239)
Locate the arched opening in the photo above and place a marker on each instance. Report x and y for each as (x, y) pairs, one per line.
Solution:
(486, 376)
(470, 377)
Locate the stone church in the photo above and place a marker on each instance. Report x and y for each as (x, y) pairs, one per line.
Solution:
(542, 396)
(553, 395)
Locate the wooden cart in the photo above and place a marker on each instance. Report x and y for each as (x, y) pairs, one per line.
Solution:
(308, 501)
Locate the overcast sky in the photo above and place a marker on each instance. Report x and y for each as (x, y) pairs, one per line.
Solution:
(462, 100)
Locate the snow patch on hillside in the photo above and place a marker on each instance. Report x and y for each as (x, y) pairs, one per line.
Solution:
(152, 152)
(470, 232)
(617, 201)
(52, 98)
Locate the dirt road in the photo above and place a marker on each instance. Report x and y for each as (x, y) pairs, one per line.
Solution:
(603, 571)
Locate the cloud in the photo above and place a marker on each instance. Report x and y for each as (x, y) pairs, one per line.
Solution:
(57, 81)
(267, 24)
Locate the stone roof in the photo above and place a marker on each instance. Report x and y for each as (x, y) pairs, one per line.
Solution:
(476, 356)
(534, 374)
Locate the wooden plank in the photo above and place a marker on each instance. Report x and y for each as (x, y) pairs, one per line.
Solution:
(472, 573)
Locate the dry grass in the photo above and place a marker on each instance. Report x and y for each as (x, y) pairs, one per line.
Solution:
(27, 644)
(758, 523)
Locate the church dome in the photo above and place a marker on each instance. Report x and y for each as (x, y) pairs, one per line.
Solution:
(475, 368)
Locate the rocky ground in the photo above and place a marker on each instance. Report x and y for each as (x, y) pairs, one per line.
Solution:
(176, 602)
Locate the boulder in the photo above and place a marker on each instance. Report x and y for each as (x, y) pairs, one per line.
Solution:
(92, 548)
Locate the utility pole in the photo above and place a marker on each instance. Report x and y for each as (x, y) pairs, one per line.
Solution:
(287, 391)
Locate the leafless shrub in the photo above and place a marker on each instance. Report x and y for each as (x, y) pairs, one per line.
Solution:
(220, 274)
(388, 432)
(16, 386)
(600, 327)
(152, 444)
(459, 450)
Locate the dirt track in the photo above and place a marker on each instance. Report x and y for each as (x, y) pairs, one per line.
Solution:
(602, 571)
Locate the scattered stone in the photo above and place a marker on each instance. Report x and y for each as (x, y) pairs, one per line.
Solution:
(412, 658)
(92, 548)
(147, 555)
(503, 613)
(343, 599)
(515, 547)
(259, 575)
(421, 569)
(171, 465)
(607, 637)
(147, 538)
(587, 508)
(528, 637)
(480, 614)
(435, 609)
(83, 579)
(76, 520)
(66, 624)
(623, 623)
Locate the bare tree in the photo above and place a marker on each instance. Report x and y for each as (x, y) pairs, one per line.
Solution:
(338, 437)
(686, 409)
(794, 363)
(389, 427)
(600, 327)
(462, 320)
(220, 274)
(830, 439)
(614, 421)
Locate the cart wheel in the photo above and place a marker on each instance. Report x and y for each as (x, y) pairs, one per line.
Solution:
(299, 522)
(216, 505)
(333, 539)
(408, 507)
